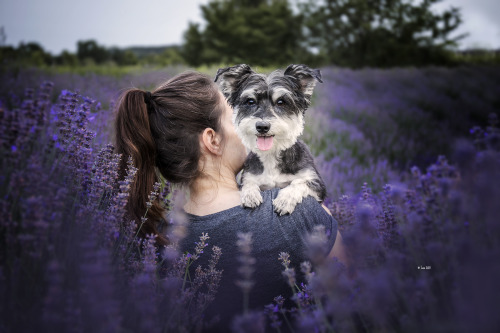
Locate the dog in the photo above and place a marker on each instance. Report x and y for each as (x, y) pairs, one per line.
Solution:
(268, 113)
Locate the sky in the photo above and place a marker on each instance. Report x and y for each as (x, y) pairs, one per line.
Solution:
(58, 24)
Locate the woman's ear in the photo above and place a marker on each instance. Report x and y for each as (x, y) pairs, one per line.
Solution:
(211, 140)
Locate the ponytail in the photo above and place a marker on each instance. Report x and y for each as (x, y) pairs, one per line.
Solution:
(134, 138)
(160, 131)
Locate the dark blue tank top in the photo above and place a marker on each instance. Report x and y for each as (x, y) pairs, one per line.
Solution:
(271, 235)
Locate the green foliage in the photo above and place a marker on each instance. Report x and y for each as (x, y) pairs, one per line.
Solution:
(380, 33)
(123, 57)
(104, 70)
(275, 33)
(26, 54)
(264, 32)
(164, 56)
(353, 33)
(477, 57)
(193, 45)
(66, 59)
(89, 52)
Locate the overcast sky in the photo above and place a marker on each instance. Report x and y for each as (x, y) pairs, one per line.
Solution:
(59, 24)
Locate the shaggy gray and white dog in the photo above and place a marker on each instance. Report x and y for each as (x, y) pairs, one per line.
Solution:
(269, 118)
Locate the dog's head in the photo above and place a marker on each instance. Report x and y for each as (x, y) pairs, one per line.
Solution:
(268, 110)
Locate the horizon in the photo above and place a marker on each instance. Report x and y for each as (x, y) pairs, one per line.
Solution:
(67, 23)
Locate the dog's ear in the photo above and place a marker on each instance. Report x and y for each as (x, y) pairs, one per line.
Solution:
(305, 76)
(232, 77)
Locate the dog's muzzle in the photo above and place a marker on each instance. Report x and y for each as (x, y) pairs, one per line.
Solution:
(262, 127)
(264, 140)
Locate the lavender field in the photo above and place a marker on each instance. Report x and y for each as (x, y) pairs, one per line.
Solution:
(411, 160)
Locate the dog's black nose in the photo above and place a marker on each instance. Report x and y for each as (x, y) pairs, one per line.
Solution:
(262, 127)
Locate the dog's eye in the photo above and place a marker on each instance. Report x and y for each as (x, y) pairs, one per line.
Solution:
(280, 102)
(250, 101)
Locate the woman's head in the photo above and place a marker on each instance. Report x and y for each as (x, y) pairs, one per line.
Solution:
(161, 131)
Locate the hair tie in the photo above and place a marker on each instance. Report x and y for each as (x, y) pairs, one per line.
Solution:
(147, 99)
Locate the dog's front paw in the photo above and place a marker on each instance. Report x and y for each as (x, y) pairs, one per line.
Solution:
(251, 197)
(286, 201)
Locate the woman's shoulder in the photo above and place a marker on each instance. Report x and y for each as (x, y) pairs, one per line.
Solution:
(309, 211)
(307, 216)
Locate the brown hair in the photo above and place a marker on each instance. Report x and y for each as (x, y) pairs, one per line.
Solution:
(166, 138)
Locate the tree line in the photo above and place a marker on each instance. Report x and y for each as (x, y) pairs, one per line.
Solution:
(89, 52)
(350, 33)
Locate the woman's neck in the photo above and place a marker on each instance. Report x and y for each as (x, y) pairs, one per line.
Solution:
(213, 193)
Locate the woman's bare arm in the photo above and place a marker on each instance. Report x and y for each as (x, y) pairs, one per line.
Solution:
(338, 249)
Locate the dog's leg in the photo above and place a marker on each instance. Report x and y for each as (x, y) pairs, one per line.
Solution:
(291, 195)
(250, 195)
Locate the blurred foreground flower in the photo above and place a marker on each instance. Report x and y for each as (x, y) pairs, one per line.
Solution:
(70, 259)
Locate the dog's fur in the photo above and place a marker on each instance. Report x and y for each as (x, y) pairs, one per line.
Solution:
(273, 107)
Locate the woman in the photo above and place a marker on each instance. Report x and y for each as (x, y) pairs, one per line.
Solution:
(184, 129)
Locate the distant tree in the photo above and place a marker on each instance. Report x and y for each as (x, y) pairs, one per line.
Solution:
(261, 32)
(123, 57)
(7, 55)
(33, 54)
(66, 59)
(193, 45)
(89, 49)
(170, 56)
(379, 32)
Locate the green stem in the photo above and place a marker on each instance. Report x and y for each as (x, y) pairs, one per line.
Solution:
(287, 322)
(186, 273)
(135, 236)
